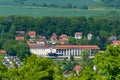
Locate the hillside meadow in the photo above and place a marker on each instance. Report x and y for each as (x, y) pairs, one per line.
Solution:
(48, 2)
(45, 11)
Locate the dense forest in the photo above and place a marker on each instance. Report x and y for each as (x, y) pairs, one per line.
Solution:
(111, 3)
(82, 4)
(100, 27)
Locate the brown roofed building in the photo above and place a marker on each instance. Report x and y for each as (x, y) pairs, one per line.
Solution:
(54, 36)
(77, 47)
(20, 38)
(116, 42)
(3, 52)
(32, 33)
(77, 68)
(63, 39)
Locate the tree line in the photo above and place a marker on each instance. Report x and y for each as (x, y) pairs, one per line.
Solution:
(68, 4)
(101, 27)
(111, 3)
(54, 4)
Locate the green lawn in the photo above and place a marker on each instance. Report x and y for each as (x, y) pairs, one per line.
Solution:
(48, 2)
(42, 11)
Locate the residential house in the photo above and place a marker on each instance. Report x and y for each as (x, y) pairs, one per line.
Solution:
(89, 36)
(63, 39)
(3, 52)
(53, 38)
(20, 32)
(112, 38)
(116, 42)
(32, 34)
(78, 35)
(77, 68)
(20, 38)
(42, 41)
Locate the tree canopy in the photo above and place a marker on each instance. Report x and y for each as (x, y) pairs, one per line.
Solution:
(100, 27)
(108, 63)
(35, 68)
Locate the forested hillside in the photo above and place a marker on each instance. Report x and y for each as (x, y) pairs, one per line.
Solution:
(102, 28)
(112, 3)
(59, 3)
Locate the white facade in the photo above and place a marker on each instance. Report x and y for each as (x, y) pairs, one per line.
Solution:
(89, 36)
(78, 35)
(76, 50)
(65, 50)
(42, 51)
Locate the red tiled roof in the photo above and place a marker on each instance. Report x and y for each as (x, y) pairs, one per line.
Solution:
(54, 36)
(77, 47)
(21, 38)
(62, 41)
(31, 33)
(3, 52)
(116, 42)
(65, 37)
(77, 67)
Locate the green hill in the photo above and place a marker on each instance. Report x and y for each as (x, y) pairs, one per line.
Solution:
(48, 2)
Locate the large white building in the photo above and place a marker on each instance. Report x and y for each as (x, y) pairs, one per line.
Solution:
(76, 50)
(41, 50)
(63, 50)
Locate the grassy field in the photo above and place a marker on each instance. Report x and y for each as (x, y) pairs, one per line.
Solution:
(40, 2)
(42, 11)
(10, 7)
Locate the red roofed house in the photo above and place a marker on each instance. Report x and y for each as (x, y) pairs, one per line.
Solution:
(63, 39)
(76, 50)
(77, 68)
(78, 35)
(116, 42)
(3, 52)
(32, 33)
(54, 38)
(19, 38)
